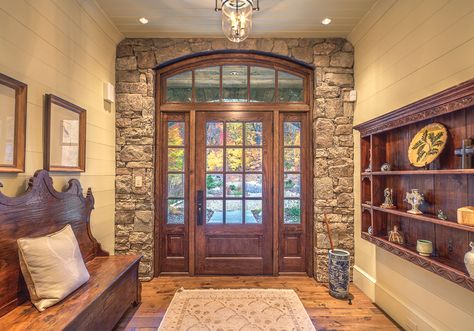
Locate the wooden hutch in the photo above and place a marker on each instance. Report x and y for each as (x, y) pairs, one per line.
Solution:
(444, 184)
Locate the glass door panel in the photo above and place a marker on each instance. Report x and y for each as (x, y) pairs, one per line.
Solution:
(233, 167)
(174, 193)
(292, 172)
(242, 144)
(294, 183)
(176, 172)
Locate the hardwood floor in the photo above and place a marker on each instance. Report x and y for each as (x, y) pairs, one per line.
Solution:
(326, 312)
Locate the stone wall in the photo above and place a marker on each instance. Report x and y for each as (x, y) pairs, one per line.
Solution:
(332, 132)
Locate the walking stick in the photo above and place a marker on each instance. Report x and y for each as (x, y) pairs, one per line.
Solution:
(329, 232)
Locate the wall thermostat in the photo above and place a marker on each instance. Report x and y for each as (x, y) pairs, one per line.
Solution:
(109, 92)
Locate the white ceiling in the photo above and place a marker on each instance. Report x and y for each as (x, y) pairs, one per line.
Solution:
(196, 18)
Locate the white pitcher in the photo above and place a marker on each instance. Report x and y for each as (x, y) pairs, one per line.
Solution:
(469, 260)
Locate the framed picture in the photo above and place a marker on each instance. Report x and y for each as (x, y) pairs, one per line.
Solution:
(65, 136)
(12, 124)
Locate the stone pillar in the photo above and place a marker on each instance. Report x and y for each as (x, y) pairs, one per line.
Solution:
(332, 131)
(333, 150)
(135, 115)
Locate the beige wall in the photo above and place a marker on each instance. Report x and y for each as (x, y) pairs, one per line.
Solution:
(67, 48)
(406, 50)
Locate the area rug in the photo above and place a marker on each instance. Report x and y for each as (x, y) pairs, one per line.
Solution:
(236, 310)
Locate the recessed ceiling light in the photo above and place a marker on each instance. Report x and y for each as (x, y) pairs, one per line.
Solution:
(326, 21)
(143, 20)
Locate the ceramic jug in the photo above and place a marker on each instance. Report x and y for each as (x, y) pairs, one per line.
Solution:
(469, 260)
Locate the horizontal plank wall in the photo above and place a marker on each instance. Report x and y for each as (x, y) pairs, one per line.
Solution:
(67, 48)
(405, 51)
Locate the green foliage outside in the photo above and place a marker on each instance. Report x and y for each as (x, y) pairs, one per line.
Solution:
(213, 182)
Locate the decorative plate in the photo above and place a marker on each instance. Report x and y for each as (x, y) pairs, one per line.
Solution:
(427, 144)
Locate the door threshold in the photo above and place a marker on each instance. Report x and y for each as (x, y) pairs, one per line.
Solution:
(187, 274)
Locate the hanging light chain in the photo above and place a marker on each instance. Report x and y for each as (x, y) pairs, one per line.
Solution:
(221, 3)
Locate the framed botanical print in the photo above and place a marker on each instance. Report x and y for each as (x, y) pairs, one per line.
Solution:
(12, 124)
(65, 136)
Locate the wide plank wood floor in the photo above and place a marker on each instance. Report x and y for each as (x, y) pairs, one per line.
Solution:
(326, 312)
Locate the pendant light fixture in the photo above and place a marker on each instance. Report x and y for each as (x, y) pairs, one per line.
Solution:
(237, 17)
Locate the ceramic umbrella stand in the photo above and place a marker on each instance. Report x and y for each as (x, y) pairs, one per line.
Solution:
(339, 273)
(338, 268)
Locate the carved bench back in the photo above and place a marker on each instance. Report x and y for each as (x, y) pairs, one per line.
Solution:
(39, 211)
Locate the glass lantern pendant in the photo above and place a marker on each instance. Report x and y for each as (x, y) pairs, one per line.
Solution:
(237, 19)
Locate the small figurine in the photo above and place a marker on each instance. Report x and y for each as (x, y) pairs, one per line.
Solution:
(395, 236)
(388, 203)
(370, 230)
(415, 199)
(441, 215)
(386, 167)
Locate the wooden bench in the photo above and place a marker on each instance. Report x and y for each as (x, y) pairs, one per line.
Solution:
(97, 305)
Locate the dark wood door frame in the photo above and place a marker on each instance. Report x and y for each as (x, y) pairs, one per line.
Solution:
(188, 111)
(227, 253)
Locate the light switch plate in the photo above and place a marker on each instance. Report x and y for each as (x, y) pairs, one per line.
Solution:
(352, 95)
(138, 181)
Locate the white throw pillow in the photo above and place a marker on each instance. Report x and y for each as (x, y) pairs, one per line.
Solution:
(52, 266)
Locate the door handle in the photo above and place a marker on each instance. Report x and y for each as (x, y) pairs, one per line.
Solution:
(199, 206)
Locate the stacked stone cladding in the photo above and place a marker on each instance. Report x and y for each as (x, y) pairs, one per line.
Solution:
(333, 148)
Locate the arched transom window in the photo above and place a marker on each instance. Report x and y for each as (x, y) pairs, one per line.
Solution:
(234, 83)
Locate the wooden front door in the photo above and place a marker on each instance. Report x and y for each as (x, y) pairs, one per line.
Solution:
(234, 193)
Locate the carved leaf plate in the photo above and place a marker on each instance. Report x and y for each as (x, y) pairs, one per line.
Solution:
(427, 144)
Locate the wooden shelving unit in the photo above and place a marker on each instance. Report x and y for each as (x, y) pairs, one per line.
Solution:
(444, 185)
(425, 218)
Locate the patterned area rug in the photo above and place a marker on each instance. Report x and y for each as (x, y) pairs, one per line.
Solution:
(236, 310)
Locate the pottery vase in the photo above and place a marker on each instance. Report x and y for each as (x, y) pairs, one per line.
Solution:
(339, 261)
(424, 247)
(469, 260)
